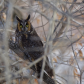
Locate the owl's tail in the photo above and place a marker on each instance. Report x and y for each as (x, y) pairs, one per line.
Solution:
(48, 69)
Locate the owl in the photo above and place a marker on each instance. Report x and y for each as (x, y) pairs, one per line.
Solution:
(29, 41)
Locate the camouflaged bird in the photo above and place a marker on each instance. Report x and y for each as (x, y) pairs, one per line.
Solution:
(29, 41)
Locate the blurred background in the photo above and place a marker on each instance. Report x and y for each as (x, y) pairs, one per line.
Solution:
(59, 24)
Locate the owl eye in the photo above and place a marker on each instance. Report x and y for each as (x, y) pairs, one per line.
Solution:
(27, 25)
(20, 26)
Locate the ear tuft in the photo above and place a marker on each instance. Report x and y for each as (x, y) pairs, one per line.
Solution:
(18, 19)
(28, 17)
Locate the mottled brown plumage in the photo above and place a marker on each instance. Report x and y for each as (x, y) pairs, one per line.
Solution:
(31, 44)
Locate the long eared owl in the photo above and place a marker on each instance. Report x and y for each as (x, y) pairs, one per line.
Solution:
(27, 38)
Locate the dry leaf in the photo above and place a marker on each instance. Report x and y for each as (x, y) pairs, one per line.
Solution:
(71, 60)
(58, 57)
(76, 73)
(59, 16)
(36, 81)
(80, 53)
(4, 16)
(76, 44)
(24, 64)
(77, 78)
(38, 21)
(75, 53)
(81, 59)
(25, 81)
(73, 34)
(40, 4)
(22, 81)
(80, 44)
(82, 16)
(54, 59)
(44, 38)
(82, 37)
(75, 70)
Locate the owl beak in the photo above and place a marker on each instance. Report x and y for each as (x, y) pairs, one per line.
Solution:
(22, 29)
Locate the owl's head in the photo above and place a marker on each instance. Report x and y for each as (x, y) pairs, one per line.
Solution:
(24, 26)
